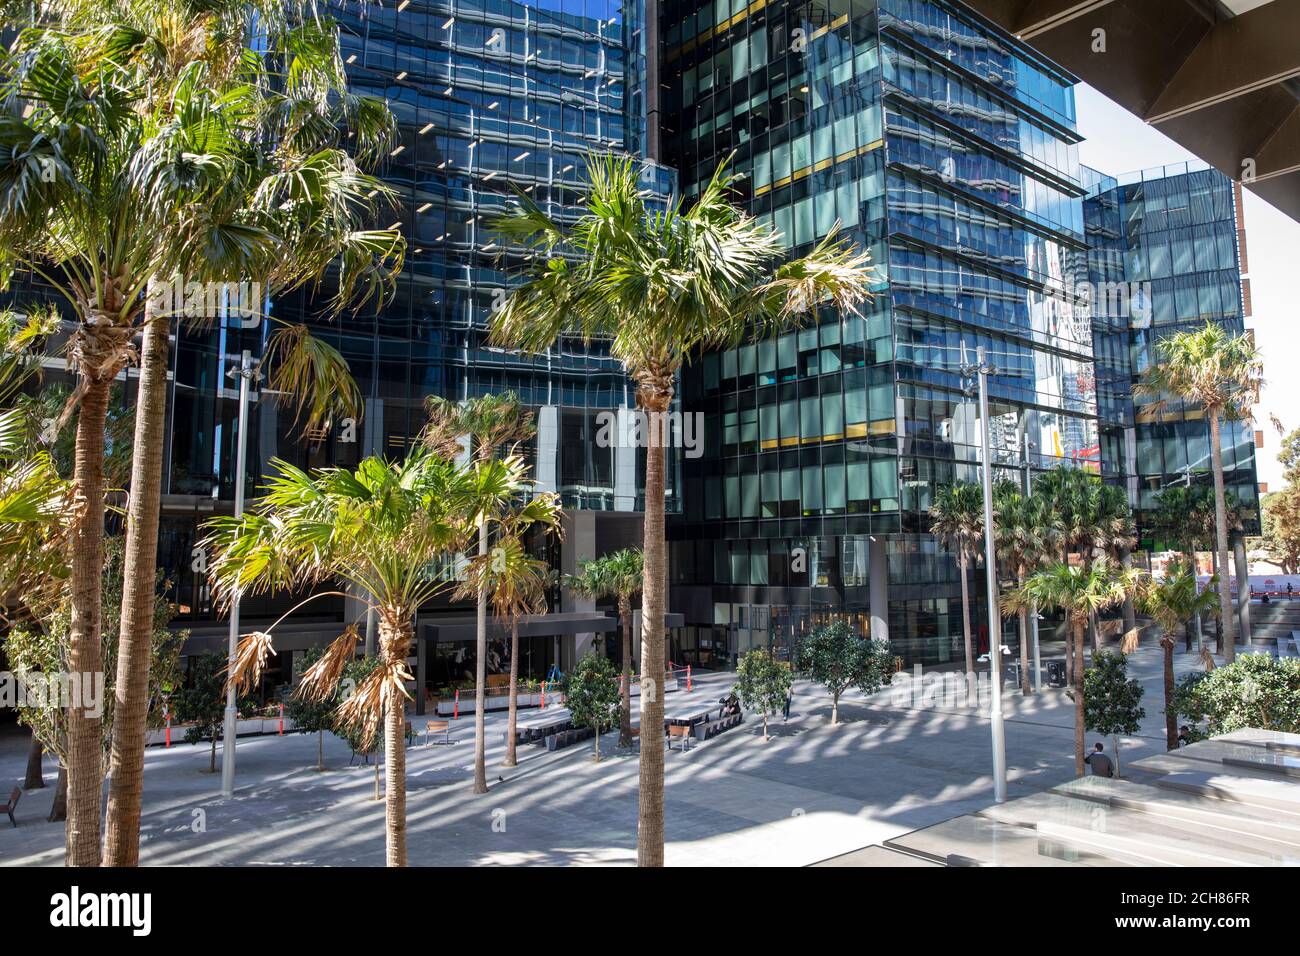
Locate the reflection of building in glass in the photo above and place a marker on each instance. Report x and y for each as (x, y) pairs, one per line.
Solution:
(490, 98)
(1171, 240)
(948, 149)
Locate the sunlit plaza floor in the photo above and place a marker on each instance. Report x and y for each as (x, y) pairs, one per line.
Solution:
(810, 793)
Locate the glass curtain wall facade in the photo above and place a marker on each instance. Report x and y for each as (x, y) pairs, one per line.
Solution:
(490, 96)
(1165, 255)
(948, 150)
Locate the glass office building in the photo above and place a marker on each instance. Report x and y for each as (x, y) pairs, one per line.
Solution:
(948, 149)
(1167, 247)
(490, 96)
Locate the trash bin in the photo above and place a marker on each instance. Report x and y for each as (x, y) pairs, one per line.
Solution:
(1056, 672)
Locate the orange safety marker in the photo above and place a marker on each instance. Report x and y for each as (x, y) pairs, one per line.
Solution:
(167, 713)
(455, 709)
(282, 718)
(688, 678)
(543, 695)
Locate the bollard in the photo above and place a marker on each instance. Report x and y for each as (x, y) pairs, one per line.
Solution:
(282, 718)
(167, 714)
(688, 678)
(455, 709)
(543, 695)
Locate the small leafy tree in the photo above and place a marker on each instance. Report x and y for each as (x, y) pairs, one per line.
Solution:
(762, 684)
(311, 714)
(1254, 691)
(1112, 699)
(202, 702)
(838, 658)
(592, 695)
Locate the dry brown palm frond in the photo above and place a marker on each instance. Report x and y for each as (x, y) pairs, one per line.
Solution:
(364, 710)
(1207, 659)
(245, 671)
(319, 681)
(1131, 640)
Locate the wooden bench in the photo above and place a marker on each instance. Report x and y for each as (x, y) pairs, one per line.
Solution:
(679, 732)
(13, 802)
(438, 727)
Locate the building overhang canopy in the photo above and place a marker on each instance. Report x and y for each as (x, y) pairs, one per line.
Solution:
(1219, 77)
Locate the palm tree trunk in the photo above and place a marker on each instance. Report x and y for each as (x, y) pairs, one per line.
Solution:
(320, 750)
(35, 778)
(396, 645)
(1079, 630)
(965, 615)
(1229, 648)
(1171, 719)
(625, 711)
(212, 759)
(650, 810)
(480, 673)
(511, 723)
(1115, 743)
(59, 808)
(139, 591)
(85, 657)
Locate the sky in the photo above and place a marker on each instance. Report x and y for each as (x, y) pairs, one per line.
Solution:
(1118, 142)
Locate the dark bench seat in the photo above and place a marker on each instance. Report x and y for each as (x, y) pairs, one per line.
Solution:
(566, 737)
(711, 728)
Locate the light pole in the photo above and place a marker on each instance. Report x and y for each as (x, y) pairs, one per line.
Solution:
(246, 372)
(980, 370)
(1033, 608)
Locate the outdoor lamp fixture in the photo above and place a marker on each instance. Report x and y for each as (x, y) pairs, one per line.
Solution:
(425, 128)
(450, 21)
(403, 5)
(980, 372)
(400, 76)
(248, 372)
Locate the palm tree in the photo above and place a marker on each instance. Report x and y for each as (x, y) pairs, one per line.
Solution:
(1026, 532)
(957, 519)
(1080, 591)
(245, 181)
(619, 576)
(660, 286)
(386, 531)
(489, 422)
(516, 584)
(1173, 602)
(1223, 374)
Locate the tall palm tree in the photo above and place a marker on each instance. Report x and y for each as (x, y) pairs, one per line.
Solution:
(1221, 374)
(1026, 533)
(660, 286)
(516, 584)
(1173, 602)
(247, 181)
(68, 214)
(1080, 592)
(957, 519)
(620, 576)
(488, 422)
(386, 531)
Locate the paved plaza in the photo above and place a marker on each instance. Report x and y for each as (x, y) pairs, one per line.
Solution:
(809, 794)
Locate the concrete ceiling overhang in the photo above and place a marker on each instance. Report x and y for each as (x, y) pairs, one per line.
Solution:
(1219, 77)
